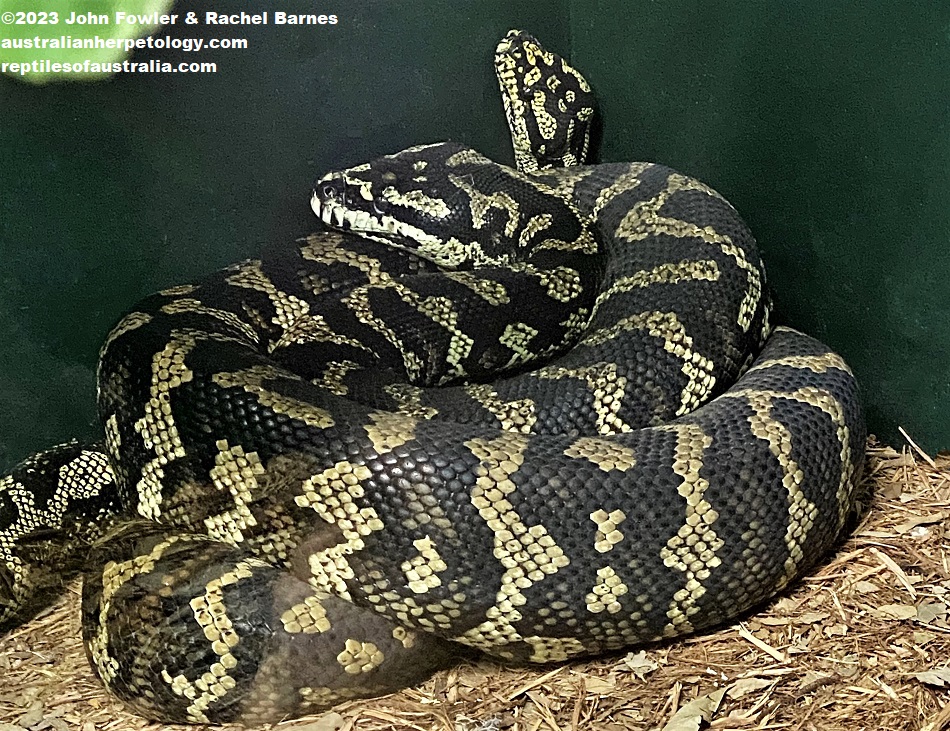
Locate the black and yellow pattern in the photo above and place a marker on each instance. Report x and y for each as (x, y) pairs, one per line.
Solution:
(538, 413)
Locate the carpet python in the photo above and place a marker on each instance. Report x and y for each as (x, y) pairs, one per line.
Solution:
(534, 412)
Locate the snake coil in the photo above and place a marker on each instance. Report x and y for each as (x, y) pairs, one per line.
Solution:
(536, 412)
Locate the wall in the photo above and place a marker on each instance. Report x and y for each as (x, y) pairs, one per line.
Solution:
(827, 125)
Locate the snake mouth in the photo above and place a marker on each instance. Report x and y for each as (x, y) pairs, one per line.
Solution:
(336, 214)
(332, 206)
(329, 203)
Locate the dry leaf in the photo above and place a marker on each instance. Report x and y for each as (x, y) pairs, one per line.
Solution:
(929, 611)
(33, 715)
(747, 685)
(939, 677)
(849, 668)
(690, 716)
(916, 520)
(922, 638)
(639, 664)
(327, 722)
(474, 677)
(866, 587)
(812, 617)
(892, 491)
(786, 605)
(773, 621)
(597, 684)
(894, 611)
(836, 630)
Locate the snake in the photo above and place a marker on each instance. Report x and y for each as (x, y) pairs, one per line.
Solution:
(535, 412)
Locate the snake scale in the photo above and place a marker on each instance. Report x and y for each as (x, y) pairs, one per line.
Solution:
(537, 413)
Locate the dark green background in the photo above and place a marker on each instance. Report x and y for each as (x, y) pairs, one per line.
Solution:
(826, 124)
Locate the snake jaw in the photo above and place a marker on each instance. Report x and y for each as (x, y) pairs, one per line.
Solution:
(329, 203)
(336, 209)
(390, 199)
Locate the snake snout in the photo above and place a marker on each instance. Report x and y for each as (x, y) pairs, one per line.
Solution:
(330, 187)
(328, 200)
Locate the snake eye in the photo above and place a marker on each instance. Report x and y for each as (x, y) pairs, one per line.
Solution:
(329, 191)
(377, 208)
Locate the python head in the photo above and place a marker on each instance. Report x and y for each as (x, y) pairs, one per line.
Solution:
(446, 202)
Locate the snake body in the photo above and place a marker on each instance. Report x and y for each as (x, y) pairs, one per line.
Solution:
(537, 412)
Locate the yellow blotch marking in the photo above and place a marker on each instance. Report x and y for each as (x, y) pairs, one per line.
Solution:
(608, 533)
(211, 616)
(313, 329)
(287, 308)
(416, 200)
(358, 301)
(669, 273)
(817, 363)
(607, 388)
(234, 472)
(644, 220)
(85, 475)
(546, 123)
(131, 321)
(333, 494)
(178, 290)
(489, 290)
(360, 657)
(406, 637)
(830, 405)
(433, 616)
(408, 399)
(667, 327)
(526, 553)
(517, 337)
(333, 375)
(585, 242)
(390, 429)
(534, 226)
(329, 248)
(576, 322)
(186, 306)
(605, 453)
(422, 571)
(606, 593)
(562, 184)
(518, 415)
(157, 427)
(252, 381)
(692, 550)
(308, 617)
(532, 76)
(561, 283)
(554, 649)
(441, 310)
(802, 511)
(626, 181)
(481, 203)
